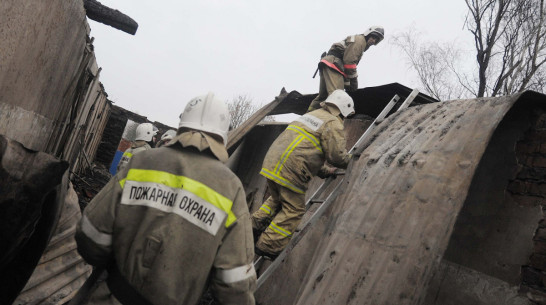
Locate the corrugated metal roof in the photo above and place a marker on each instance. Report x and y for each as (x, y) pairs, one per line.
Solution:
(384, 236)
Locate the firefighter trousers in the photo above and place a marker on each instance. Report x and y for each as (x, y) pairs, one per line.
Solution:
(278, 218)
(330, 80)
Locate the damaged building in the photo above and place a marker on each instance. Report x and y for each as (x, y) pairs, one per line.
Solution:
(443, 205)
(55, 125)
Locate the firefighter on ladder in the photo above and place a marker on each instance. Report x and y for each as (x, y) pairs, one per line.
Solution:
(174, 219)
(293, 159)
(338, 67)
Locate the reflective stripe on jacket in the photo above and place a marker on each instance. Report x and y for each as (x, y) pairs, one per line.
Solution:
(172, 219)
(136, 147)
(333, 66)
(300, 151)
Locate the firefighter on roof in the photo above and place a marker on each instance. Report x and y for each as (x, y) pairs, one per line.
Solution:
(293, 159)
(174, 219)
(338, 67)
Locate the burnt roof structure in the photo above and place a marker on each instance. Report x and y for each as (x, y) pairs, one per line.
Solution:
(368, 102)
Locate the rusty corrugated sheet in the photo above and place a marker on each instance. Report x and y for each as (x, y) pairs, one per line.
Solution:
(384, 236)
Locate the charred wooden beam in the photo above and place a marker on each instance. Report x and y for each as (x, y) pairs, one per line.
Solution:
(114, 18)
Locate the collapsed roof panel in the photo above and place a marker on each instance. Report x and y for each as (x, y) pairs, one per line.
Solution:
(369, 101)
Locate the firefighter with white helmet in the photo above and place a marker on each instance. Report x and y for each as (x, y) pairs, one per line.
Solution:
(145, 133)
(293, 159)
(338, 67)
(174, 220)
(166, 138)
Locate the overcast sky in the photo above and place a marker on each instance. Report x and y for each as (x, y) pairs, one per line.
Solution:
(237, 47)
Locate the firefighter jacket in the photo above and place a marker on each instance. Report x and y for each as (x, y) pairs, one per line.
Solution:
(174, 218)
(345, 55)
(136, 147)
(300, 151)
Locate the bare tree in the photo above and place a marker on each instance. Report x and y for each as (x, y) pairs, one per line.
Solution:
(510, 42)
(433, 64)
(509, 36)
(241, 108)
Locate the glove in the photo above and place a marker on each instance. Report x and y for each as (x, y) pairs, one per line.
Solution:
(326, 172)
(353, 85)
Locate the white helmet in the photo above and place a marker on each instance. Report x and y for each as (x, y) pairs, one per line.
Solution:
(377, 31)
(342, 101)
(207, 113)
(145, 132)
(168, 135)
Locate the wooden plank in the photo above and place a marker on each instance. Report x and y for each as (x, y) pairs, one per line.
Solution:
(237, 134)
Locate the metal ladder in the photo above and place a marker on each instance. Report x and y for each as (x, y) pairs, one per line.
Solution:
(356, 150)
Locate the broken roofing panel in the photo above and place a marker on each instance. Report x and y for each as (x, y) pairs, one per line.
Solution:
(368, 101)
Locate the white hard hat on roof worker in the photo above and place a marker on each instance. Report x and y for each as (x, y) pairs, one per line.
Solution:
(342, 101)
(376, 31)
(338, 69)
(207, 113)
(145, 132)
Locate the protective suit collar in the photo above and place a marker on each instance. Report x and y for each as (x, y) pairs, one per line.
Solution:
(330, 108)
(138, 143)
(201, 141)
